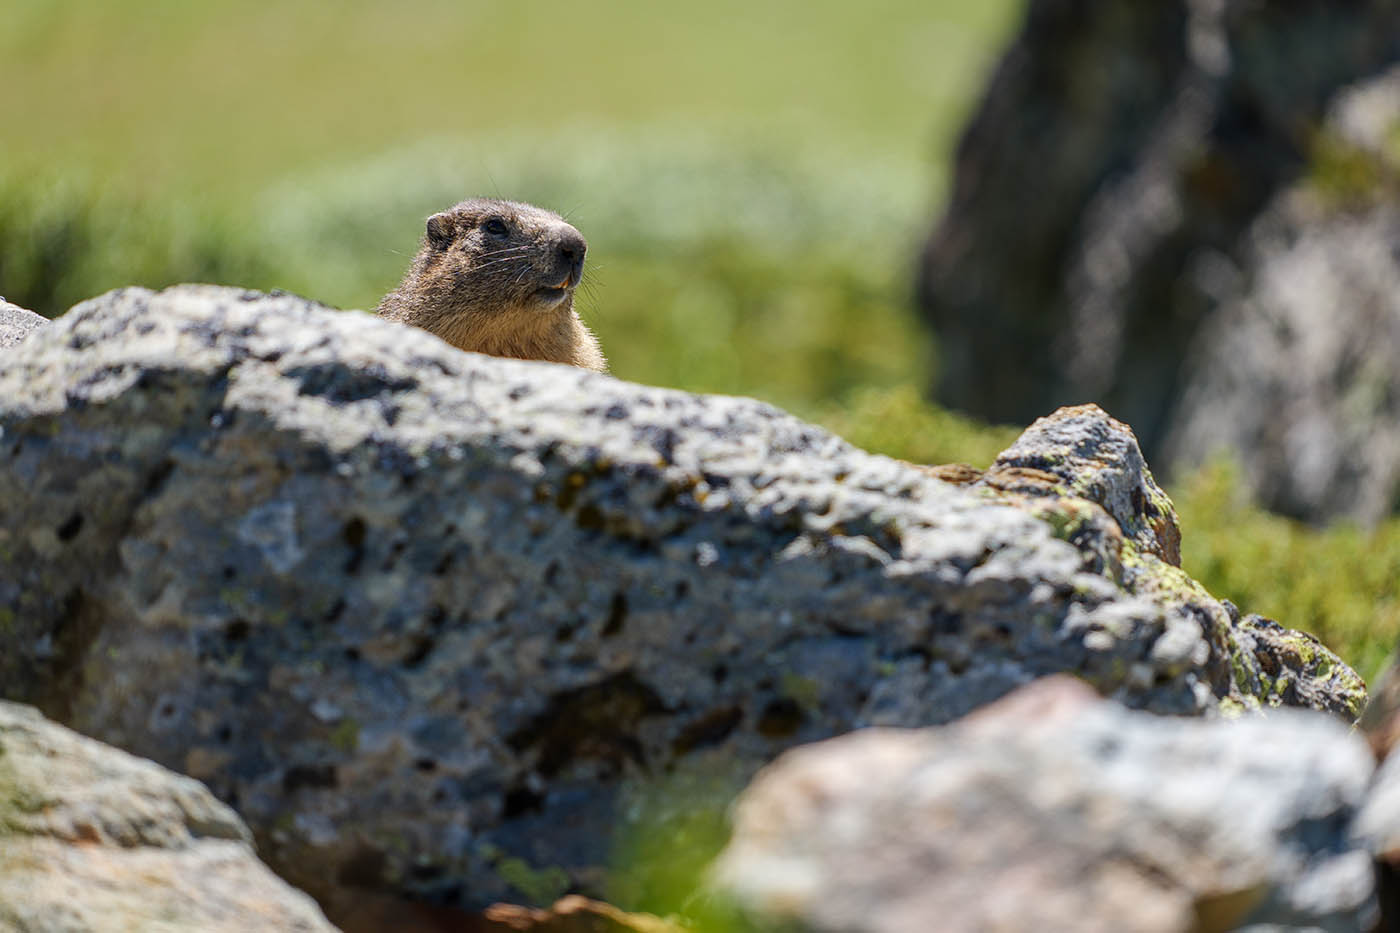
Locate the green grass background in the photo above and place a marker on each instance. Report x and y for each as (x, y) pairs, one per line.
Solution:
(754, 181)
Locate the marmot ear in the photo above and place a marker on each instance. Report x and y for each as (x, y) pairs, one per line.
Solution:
(441, 229)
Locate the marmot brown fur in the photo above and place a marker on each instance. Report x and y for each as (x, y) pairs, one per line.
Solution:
(498, 277)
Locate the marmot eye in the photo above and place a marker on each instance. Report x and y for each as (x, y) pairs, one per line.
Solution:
(496, 227)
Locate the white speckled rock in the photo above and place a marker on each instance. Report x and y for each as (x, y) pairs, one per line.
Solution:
(16, 323)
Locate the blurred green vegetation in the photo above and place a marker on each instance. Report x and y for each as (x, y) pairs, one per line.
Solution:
(1341, 583)
(161, 96)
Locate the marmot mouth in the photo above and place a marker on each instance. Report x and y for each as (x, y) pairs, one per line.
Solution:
(553, 295)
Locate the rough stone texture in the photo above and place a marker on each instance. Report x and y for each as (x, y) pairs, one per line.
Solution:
(1083, 472)
(1056, 811)
(1080, 452)
(16, 323)
(93, 839)
(431, 621)
(1295, 377)
(1292, 668)
(1118, 148)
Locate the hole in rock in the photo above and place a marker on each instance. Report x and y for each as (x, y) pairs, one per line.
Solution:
(363, 869)
(69, 529)
(520, 801)
(422, 647)
(710, 729)
(617, 615)
(354, 537)
(781, 718)
(316, 776)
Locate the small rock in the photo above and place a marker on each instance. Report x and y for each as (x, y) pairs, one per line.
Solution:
(96, 840)
(1053, 810)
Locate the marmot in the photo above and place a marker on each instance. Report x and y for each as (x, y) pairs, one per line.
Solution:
(498, 277)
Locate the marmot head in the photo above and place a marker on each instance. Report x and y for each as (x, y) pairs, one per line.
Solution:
(487, 255)
(498, 277)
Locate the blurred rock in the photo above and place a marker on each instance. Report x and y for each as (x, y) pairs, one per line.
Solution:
(434, 622)
(96, 840)
(1118, 150)
(572, 914)
(1295, 376)
(1380, 720)
(16, 323)
(1055, 811)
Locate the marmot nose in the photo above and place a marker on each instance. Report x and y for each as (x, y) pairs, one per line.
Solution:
(572, 247)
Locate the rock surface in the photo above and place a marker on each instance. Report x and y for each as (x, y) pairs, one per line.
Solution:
(95, 840)
(1053, 810)
(432, 620)
(1083, 473)
(16, 323)
(1120, 150)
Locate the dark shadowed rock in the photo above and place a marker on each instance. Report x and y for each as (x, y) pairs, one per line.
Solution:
(93, 839)
(434, 621)
(1295, 377)
(1053, 810)
(16, 323)
(1118, 148)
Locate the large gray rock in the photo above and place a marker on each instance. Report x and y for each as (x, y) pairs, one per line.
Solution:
(16, 323)
(92, 839)
(1056, 811)
(1117, 145)
(431, 620)
(1295, 377)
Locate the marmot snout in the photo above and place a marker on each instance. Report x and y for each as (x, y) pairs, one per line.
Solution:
(498, 277)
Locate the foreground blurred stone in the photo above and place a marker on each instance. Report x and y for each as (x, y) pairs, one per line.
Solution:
(1055, 811)
(434, 622)
(1104, 196)
(93, 839)
(572, 914)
